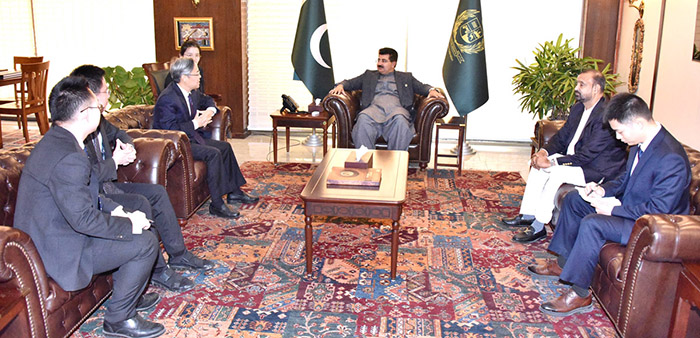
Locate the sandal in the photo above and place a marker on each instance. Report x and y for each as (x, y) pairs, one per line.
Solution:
(172, 281)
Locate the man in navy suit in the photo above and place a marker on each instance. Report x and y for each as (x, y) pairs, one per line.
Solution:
(583, 150)
(181, 107)
(656, 181)
(387, 101)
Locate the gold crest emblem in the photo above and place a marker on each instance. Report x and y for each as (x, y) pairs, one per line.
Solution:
(467, 35)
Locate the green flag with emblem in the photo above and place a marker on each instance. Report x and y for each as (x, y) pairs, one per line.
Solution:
(464, 70)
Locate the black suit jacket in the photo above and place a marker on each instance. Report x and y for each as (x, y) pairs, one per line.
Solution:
(58, 207)
(597, 151)
(171, 113)
(107, 168)
(406, 85)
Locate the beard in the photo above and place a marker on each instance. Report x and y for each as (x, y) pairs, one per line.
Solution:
(578, 96)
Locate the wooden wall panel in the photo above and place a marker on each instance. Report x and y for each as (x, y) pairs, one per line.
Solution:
(599, 30)
(226, 66)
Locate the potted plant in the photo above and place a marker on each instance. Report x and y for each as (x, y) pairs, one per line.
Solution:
(128, 87)
(547, 85)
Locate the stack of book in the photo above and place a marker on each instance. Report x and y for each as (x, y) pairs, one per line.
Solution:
(10, 75)
(355, 174)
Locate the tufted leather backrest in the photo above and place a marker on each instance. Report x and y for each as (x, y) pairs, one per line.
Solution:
(12, 162)
(132, 117)
(694, 158)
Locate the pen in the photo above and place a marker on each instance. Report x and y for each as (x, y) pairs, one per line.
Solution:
(597, 185)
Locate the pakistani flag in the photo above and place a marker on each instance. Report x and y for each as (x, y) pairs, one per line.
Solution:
(311, 55)
(464, 70)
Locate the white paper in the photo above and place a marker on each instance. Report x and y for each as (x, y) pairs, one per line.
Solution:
(598, 200)
(361, 152)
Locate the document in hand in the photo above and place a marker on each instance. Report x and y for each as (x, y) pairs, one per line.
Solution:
(597, 200)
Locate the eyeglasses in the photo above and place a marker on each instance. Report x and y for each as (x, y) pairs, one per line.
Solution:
(108, 92)
(195, 74)
(100, 108)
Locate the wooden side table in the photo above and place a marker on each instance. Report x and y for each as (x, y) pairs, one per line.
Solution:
(687, 295)
(284, 119)
(460, 124)
(12, 303)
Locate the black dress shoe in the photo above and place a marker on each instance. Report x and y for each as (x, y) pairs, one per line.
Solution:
(528, 235)
(134, 327)
(147, 301)
(223, 211)
(172, 281)
(241, 197)
(189, 261)
(517, 221)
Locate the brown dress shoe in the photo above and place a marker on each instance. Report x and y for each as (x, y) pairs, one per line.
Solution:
(550, 270)
(567, 304)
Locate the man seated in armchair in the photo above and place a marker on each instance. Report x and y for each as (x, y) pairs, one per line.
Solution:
(387, 100)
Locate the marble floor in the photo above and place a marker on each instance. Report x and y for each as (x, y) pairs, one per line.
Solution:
(499, 156)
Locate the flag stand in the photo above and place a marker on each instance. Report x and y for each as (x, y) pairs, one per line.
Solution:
(313, 140)
(466, 148)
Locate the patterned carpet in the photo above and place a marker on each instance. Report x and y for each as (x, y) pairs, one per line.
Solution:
(459, 275)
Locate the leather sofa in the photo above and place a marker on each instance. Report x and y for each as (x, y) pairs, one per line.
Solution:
(428, 109)
(51, 311)
(636, 283)
(185, 181)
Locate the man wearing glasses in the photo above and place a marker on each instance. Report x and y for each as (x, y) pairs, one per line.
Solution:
(181, 107)
(77, 233)
(109, 147)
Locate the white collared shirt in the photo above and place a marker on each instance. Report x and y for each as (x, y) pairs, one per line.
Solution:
(643, 146)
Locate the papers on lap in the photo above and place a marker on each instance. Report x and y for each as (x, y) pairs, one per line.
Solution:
(597, 200)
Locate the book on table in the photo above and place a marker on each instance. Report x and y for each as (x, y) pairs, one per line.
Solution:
(354, 177)
(10, 75)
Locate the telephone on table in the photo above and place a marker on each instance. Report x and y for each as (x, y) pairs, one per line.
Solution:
(290, 105)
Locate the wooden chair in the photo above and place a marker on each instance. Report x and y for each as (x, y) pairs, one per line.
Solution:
(156, 73)
(34, 76)
(19, 60)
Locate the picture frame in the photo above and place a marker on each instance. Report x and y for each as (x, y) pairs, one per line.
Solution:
(198, 29)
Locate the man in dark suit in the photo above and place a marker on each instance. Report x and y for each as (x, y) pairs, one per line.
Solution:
(77, 233)
(583, 150)
(109, 147)
(656, 181)
(181, 107)
(386, 103)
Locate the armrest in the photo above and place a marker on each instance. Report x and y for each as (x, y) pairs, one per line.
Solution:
(184, 162)
(428, 110)
(665, 238)
(344, 107)
(154, 156)
(220, 124)
(21, 267)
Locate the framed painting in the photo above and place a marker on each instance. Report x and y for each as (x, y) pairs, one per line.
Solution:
(198, 29)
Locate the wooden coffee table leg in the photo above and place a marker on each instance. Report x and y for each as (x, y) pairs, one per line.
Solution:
(287, 133)
(309, 244)
(394, 247)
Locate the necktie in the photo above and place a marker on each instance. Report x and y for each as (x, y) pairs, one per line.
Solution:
(193, 111)
(639, 153)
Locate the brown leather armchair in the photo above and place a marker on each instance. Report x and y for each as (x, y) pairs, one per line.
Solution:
(185, 180)
(428, 109)
(50, 310)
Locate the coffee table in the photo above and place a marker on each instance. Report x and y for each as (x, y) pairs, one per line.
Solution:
(284, 119)
(385, 202)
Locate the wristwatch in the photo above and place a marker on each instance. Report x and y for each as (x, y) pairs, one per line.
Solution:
(552, 162)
